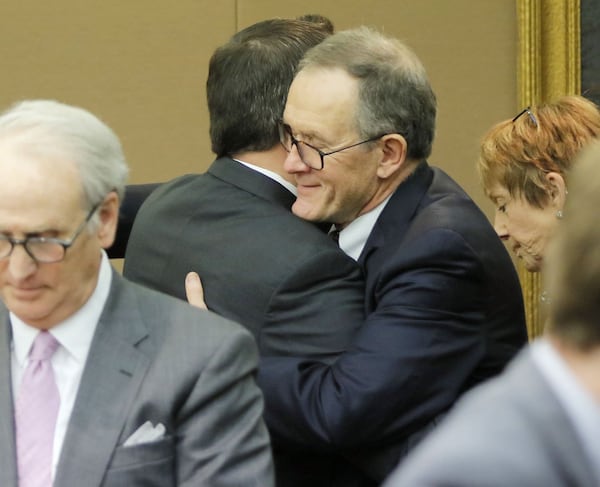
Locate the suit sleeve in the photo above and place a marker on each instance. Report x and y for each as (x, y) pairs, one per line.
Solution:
(221, 436)
(407, 364)
(317, 310)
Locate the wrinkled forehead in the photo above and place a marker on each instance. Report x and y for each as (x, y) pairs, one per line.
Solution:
(322, 100)
(30, 179)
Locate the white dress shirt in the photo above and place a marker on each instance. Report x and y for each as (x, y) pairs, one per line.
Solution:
(580, 406)
(354, 236)
(273, 175)
(74, 336)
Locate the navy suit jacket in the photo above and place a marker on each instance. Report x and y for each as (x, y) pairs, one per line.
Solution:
(135, 195)
(279, 276)
(444, 312)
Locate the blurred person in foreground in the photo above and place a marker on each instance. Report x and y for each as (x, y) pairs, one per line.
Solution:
(538, 424)
(279, 276)
(443, 301)
(104, 382)
(524, 166)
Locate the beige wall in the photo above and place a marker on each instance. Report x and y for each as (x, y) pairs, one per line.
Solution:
(141, 66)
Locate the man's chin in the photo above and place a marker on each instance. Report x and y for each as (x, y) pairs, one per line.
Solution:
(305, 210)
(32, 315)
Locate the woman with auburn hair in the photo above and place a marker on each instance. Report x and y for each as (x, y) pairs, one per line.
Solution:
(524, 164)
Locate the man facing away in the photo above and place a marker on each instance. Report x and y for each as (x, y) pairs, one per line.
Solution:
(103, 382)
(280, 276)
(539, 422)
(443, 302)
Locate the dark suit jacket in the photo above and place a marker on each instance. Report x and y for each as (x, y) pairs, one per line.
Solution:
(154, 358)
(135, 195)
(511, 431)
(261, 266)
(444, 312)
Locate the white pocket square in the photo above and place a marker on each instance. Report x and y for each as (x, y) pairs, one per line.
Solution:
(147, 433)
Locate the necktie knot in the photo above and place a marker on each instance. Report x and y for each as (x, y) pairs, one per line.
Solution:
(43, 347)
(334, 234)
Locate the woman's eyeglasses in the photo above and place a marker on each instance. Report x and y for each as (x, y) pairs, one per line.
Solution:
(529, 114)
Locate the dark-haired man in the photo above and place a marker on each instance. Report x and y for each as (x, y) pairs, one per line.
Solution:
(278, 275)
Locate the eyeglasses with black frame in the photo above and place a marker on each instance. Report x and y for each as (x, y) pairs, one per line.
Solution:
(310, 155)
(43, 250)
(527, 110)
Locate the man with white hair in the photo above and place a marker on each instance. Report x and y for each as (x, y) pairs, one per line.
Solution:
(103, 382)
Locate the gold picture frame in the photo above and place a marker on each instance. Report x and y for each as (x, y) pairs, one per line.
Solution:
(549, 66)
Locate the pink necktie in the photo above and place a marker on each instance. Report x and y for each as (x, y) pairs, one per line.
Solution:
(35, 415)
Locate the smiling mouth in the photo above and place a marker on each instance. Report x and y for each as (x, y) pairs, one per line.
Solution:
(307, 187)
(26, 293)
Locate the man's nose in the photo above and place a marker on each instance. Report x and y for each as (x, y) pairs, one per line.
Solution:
(20, 263)
(293, 162)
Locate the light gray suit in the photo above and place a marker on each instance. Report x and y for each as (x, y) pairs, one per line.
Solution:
(511, 431)
(155, 358)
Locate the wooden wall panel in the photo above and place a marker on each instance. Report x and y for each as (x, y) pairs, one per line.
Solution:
(141, 65)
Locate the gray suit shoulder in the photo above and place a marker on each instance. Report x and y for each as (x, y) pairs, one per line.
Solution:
(166, 316)
(509, 431)
(199, 384)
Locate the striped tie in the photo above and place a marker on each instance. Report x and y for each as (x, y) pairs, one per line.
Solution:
(35, 415)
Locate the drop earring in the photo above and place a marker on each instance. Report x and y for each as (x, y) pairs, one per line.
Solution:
(559, 214)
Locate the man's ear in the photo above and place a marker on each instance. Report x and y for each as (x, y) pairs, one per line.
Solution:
(557, 190)
(109, 218)
(394, 151)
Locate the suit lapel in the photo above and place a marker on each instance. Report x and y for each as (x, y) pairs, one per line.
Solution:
(232, 172)
(396, 216)
(8, 456)
(112, 375)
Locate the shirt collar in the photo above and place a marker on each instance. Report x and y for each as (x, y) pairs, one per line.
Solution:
(354, 236)
(76, 332)
(273, 175)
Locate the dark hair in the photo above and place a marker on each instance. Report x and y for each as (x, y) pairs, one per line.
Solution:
(325, 23)
(248, 81)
